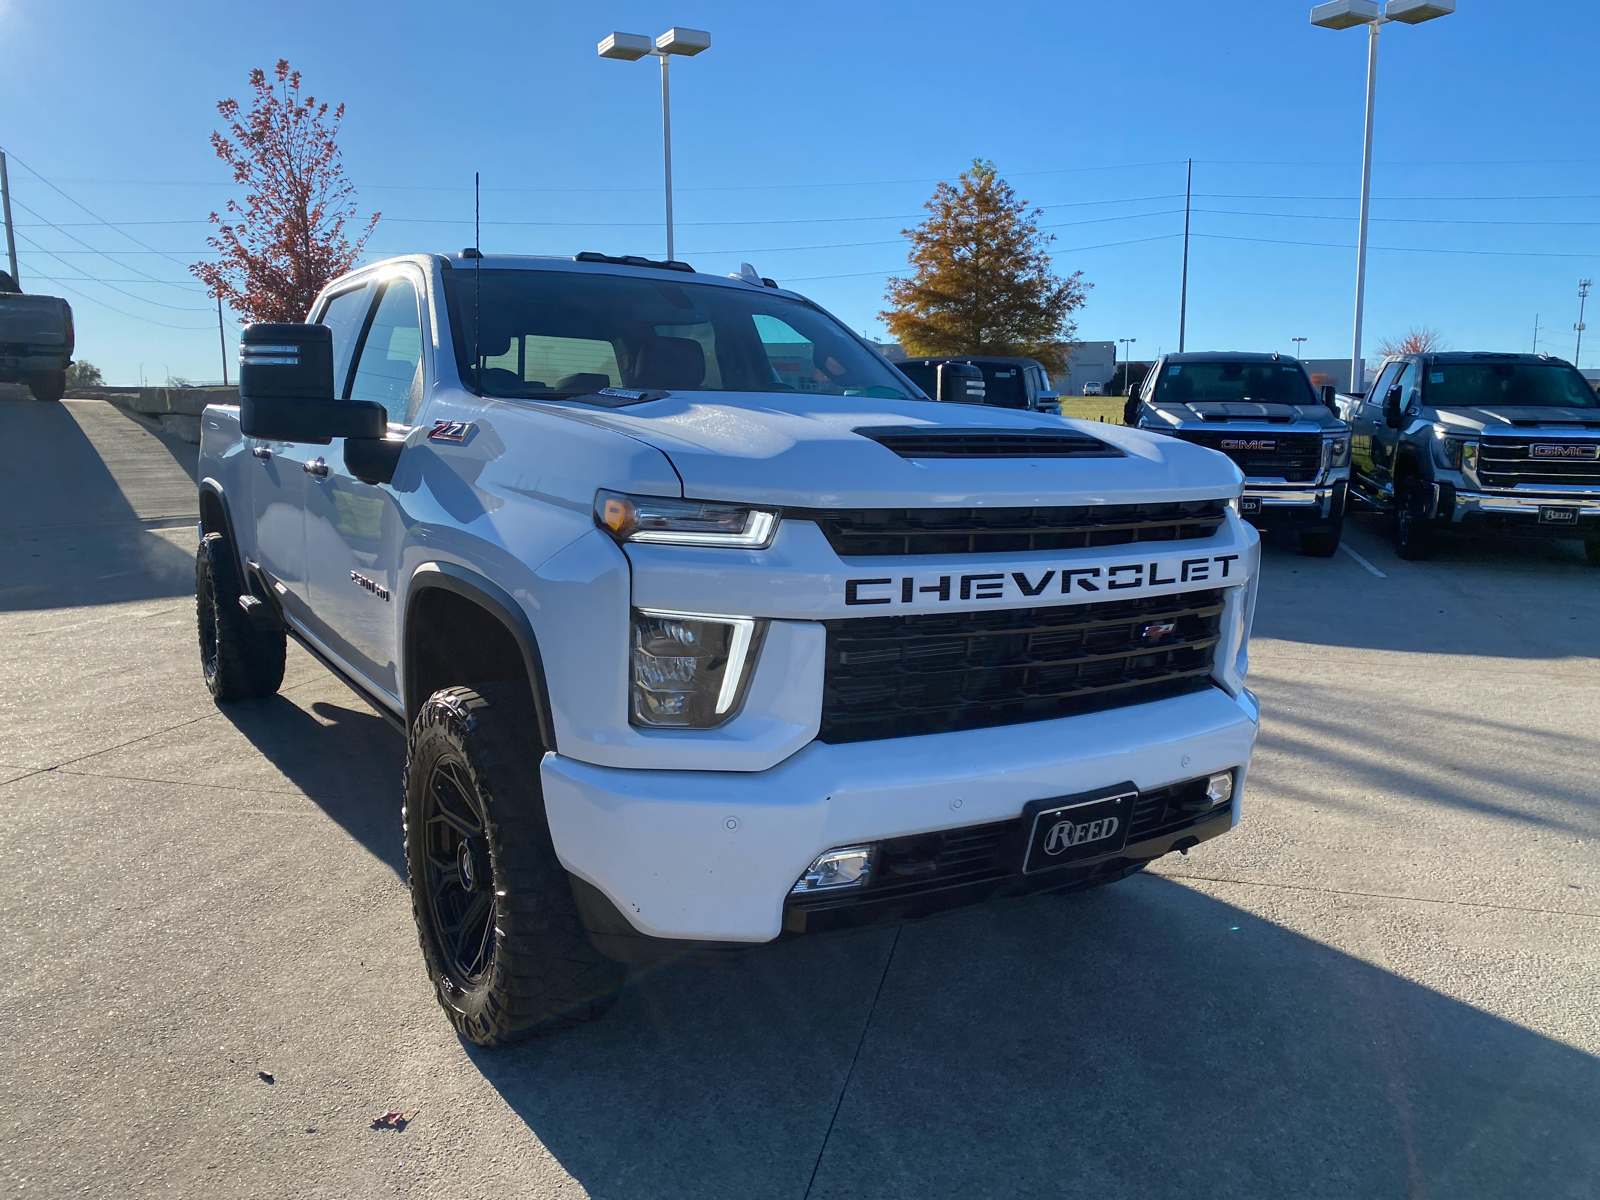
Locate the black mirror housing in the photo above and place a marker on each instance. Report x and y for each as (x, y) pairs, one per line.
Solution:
(1391, 407)
(286, 389)
(960, 383)
(1327, 397)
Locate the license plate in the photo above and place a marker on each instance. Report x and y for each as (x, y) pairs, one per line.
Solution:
(1072, 828)
(1249, 506)
(1556, 514)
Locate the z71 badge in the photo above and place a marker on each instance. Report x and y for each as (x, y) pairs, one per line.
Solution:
(451, 431)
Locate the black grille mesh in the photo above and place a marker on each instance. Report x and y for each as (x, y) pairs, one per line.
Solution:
(897, 676)
(1294, 457)
(876, 532)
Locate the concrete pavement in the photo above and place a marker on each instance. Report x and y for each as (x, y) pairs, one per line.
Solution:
(1381, 984)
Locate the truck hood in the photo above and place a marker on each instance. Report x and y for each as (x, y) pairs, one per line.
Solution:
(1508, 420)
(1249, 413)
(803, 451)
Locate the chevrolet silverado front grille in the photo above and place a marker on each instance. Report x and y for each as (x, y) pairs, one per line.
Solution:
(873, 532)
(1292, 457)
(897, 676)
(1538, 461)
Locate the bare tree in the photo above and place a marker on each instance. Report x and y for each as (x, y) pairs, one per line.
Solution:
(1419, 339)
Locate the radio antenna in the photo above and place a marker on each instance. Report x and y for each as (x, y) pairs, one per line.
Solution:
(477, 278)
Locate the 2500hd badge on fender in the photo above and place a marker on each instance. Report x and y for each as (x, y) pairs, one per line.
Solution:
(704, 625)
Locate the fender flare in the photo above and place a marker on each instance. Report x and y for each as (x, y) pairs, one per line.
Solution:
(211, 486)
(491, 596)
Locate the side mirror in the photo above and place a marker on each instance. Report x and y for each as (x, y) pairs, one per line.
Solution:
(960, 383)
(1391, 407)
(286, 391)
(1327, 397)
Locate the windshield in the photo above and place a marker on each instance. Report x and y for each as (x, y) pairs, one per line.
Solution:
(1226, 382)
(1508, 385)
(549, 335)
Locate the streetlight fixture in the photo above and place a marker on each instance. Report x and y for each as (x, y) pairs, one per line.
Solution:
(1346, 14)
(631, 47)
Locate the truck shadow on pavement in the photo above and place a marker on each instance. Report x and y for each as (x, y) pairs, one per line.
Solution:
(348, 761)
(1142, 1041)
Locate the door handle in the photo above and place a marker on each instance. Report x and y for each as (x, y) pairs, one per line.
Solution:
(317, 467)
(264, 453)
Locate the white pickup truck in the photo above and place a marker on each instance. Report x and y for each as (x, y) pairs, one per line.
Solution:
(704, 626)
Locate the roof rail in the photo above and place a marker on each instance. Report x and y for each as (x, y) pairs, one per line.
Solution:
(632, 260)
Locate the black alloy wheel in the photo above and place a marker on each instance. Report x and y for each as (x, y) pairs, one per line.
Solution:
(458, 879)
(498, 924)
(1410, 527)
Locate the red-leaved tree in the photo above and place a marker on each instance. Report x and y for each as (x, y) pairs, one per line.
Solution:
(287, 240)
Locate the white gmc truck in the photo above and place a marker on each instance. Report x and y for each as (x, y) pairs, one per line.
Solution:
(704, 626)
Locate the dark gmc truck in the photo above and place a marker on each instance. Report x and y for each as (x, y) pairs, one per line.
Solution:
(1479, 443)
(1262, 412)
(36, 342)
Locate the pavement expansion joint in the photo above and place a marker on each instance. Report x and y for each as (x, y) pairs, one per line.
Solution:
(1332, 891)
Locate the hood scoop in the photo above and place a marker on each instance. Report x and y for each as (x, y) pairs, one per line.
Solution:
(933, 441)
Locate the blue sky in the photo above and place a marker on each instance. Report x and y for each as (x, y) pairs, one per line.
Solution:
(809, 135)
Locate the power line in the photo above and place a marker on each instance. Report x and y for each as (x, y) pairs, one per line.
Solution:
(1398, 249)
(90, 211)
(1232, 212)
(91, 279)
(133, 316)
(92, 250)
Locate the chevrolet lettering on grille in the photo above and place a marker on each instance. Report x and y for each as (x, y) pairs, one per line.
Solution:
(1019, 585)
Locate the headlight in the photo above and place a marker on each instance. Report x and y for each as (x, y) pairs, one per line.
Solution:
(1454, 452)
(684, 522)
(1336, 451)
(689, 670)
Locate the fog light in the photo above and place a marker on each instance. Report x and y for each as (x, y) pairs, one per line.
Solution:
(1219, 788)
(848, 866)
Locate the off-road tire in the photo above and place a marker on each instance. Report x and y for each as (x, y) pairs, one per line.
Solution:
(472, 794)
(49, 386)
(1591, 550)
(1409, 527)
(1323, 543)
(238, 660)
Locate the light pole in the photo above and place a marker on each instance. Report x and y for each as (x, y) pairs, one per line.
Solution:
(1583, 298)
(1344, 14)
(1298, 343)
(1127, 365)
(630, 47)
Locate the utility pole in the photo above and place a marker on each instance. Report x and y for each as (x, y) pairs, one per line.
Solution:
(1183, 296)
(5, 203)
(1583, 296)
(222, 339)
(1536, 333)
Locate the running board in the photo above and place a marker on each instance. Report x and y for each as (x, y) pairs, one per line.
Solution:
(343, 677)
(1365, 503)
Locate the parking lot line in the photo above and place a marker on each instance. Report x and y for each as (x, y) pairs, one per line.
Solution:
(1345, 546)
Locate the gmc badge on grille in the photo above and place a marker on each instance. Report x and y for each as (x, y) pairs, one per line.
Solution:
(1560, 450)
(1249, 443)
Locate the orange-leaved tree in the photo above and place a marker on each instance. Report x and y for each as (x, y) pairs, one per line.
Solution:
(982, 282)
(280, 247)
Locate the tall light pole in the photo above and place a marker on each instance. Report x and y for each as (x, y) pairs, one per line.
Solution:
(1299, 343)
(630, 47)
(1583, 298)
(1127, 365)
(1345, 14)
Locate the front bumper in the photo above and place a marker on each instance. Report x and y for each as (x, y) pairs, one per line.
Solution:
(711, 856)
(1516, 514)
(1305, 507)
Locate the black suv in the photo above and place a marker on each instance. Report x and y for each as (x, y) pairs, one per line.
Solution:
(1007, 382)
(1467, 442)
(1262, 412)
